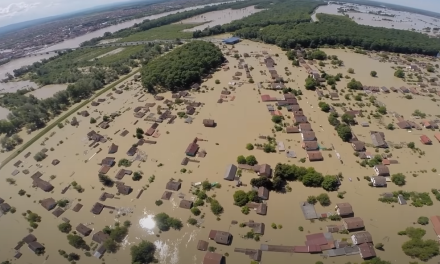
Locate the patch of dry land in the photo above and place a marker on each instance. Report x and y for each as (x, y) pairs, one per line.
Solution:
(241, 118)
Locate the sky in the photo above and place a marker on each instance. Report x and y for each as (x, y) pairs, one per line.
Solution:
(14, 11)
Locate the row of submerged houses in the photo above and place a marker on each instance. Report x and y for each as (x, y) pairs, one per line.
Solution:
(404, 90)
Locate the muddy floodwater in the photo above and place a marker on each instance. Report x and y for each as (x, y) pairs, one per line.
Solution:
(219, 17)
(241, 119)
(383, 17)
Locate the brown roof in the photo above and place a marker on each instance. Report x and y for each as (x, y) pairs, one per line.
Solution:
(300, 119)
(34, 246)
(404, 125)
(29, 238)
(58, 212)
(192, 148)
(305, 127)
(100, 237)
(367, 250)
(150, 131)
(97, 208)
(55, 162)
(173, 185)
(208, 122)
(77, 207)
(308, 135)
(186, 204)
(1, 200)
(345, 208)
(5, 207)
(363, 237)
(166, 195)
(310, 145)
(353, 223)
(202, 245)
(292, 129)
(265, 170)
(121, 173)
(113, 149)
(48, 203)
(221, 237)
(43, 185)
(263, 193)
(104, 169)
(358, 145)
(262, 209)
(314, 155)
(425, 139)
(131, 151)
(110, 161)
(379, 180)
(123, 189)
(212, 258)
(83, 230)
(382, 170)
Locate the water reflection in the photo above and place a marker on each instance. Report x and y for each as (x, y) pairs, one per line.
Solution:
(148, 223)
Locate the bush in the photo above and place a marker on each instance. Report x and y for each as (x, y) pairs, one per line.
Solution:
(192, 221)
(423, 220)
(323, 199)
(373, 73)
(164, 222)
(249, 146)
(240, 198)
(216, 208)
(245, 210)
(206, 186)
(312, 200)
(398, 179)
(137, 176)
(251, 160)
(217, 81)
(379, 246)
(351, 70)
(300, 228)
(143, 252)
(277, 119)
(158, 202)
(196, 211)
(124, 162)
(92, 120)
(241, 159)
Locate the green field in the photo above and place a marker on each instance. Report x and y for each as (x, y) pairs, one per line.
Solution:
(90, 54)
(124, 54)
(172, 31)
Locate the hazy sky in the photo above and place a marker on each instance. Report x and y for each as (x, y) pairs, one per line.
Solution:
(13, 11)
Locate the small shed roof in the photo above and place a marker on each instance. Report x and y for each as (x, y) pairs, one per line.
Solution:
(186, 204)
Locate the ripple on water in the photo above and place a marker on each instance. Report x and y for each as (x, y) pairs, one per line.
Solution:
(148, 223)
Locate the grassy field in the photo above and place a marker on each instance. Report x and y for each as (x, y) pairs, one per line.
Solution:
(172, 31)
(89, 54)
(125, 53)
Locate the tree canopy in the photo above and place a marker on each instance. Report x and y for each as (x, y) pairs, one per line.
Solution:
(143, 253)
(398, 179)
(182, 67)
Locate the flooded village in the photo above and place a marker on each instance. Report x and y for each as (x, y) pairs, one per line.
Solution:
(129, 155)
(175, 142)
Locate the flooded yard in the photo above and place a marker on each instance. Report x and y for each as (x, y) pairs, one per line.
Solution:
(383, 17)
(219, 17)
(12, 87)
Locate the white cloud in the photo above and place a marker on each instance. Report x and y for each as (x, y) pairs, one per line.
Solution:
(16, 8)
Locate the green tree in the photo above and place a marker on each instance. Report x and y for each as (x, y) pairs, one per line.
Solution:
(330, 183)
(206, 185)
(216, 208)
(324, 106)
(354, 85)
(76, 241)
(261, 181)
(398, 179)
(348, 119)
(137, 176)
(423, 220)
(323, 199)
(373, 73)
(350, 70)
(240, 198)
(192, 221)
(411, 145)
(344, 132)
(196, 211)
(311, 200)
(65, 227)
(143, 253)
(241, 159)
(382, 110)
(333, 120)
(312, 179)
(105, 180)
(277, 119)
(249, 146)
(251, 160)
(311, 84)
(110, 245)
(318, 55)
(399, 73)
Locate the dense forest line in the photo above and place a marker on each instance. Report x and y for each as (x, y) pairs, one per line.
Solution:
(31, 113)
(173, 18)
(288, 25)
(182, 67)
